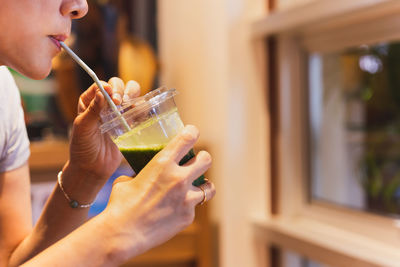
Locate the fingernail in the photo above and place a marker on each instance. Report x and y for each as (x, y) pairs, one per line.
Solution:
(117, 97)
(133, 84)
(125, 98)
(190, 131)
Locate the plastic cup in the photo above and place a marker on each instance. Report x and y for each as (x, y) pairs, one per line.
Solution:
(153, 120)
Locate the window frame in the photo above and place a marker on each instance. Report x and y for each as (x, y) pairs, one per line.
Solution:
(328, 233)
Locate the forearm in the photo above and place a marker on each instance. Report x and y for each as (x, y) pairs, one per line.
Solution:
(58, 219)
(93, 244)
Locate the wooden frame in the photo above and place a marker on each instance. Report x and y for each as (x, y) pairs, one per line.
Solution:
(322, 13)
(327, 233)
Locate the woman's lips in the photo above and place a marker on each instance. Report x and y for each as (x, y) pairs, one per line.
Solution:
(56, 39)
(56, 42)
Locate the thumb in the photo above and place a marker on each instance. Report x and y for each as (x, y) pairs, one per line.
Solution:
(91, 115)
(122, 179)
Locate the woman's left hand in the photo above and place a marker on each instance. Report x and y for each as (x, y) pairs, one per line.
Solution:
(93, 153)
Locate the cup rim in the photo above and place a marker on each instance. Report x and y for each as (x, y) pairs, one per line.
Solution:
(141, 104)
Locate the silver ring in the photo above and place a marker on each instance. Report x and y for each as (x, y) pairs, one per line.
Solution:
(204, 195)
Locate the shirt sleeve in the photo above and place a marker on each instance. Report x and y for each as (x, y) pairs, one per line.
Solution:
(16, 150)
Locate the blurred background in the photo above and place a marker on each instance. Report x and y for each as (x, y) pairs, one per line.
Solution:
(298, 102)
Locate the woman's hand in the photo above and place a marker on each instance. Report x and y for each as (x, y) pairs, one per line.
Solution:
(93, 153)
(161, 200)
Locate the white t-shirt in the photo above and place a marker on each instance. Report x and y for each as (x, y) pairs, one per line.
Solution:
(14, 143)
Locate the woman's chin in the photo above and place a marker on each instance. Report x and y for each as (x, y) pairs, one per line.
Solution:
(39, 76)
(36, 73)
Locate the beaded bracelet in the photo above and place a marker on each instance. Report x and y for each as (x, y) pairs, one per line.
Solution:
(72, 203)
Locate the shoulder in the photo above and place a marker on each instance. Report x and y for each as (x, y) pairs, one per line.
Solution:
(10, 99)
(5, 74)
(8, 87)
(7, 82)
(14, 143)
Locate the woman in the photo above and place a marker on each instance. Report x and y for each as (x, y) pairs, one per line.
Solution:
(142, 212)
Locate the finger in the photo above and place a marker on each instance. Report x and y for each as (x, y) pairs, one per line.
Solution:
(132, 90)
(118, 87)
(198, 165)
(199, 196)
(86, 97)
(180, 145)
(90, 116)
(122, 179)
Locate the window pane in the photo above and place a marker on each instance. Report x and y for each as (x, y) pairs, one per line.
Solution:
(354, 115)
(292, 259)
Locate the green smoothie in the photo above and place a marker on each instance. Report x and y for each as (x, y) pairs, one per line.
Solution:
(138, 157)
(144, 141)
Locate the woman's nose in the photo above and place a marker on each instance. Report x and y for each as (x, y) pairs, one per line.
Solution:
(74, 8)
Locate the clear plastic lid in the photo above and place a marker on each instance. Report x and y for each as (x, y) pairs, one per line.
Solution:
(133, 110)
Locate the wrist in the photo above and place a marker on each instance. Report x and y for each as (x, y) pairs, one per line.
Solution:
(80, 185)
(92, 174)
(122, 242)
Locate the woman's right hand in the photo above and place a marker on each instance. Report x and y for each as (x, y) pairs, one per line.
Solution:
(160, 201)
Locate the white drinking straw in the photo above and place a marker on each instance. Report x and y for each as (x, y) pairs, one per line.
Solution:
(97, 81)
